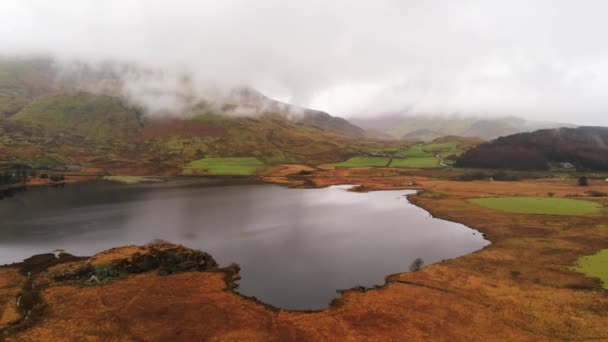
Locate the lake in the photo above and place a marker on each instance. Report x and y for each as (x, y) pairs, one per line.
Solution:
(296, 247)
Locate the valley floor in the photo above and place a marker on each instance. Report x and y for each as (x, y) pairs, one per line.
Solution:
(520, 287)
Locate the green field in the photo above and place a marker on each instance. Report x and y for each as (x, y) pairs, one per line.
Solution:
(416, 152)
(363, 161)
(243, 166)
(132, 179)
(449, 149)
(442, 147)
(415, 157)
(420, 163)
(595, 265)
(446, 149)
(539, 205)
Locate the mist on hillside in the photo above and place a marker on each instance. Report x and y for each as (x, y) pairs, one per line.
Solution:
(543, 61)
(155, 91)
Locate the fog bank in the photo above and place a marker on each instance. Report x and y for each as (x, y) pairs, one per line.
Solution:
(542, 60)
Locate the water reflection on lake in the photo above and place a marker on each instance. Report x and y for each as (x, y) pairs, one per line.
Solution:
(295, 246)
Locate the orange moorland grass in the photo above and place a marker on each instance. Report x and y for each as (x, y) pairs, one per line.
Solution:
(520, 287)
(11, 282)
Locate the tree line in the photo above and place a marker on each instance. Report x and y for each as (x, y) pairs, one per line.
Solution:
(21, 176)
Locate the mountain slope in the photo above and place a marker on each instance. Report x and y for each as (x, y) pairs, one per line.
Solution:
(584, 147)
(249, 102)
(119, 142)
(400, 125)
(24, 79)
(423, 134)
(93, 116)
(88, 115)
(429, 127)
(101, 132)
(331, 123)
(21, 80)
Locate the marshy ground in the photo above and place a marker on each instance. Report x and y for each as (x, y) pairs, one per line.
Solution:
(521, 287)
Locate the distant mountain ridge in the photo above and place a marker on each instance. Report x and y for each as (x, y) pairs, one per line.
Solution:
(429, 127)
(249, 101)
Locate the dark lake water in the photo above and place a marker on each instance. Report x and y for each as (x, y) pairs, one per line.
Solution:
(296, 247)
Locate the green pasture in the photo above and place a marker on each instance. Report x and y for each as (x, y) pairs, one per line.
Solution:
(416, 157)
(415, 163)
(595, 265)
(363, 161)
(416, 152)
(539, 205)
(442, 147)
(132, 179)
(242, 166)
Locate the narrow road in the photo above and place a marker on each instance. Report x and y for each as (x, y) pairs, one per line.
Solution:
(440, 159)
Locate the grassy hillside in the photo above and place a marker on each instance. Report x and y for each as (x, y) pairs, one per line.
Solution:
(88, 115)
(445, 149)
(100, 131)
(449, 148)
(21, 80)
(47, 120)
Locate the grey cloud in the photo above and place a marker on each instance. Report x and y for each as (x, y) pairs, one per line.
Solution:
(539, 59)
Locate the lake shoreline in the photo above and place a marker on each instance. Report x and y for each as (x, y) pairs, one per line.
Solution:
(394, 207)
(513, 280)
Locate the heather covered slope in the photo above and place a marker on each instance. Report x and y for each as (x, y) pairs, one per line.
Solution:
(586, 148)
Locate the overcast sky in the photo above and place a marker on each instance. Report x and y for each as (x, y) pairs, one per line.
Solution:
(543, 60)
